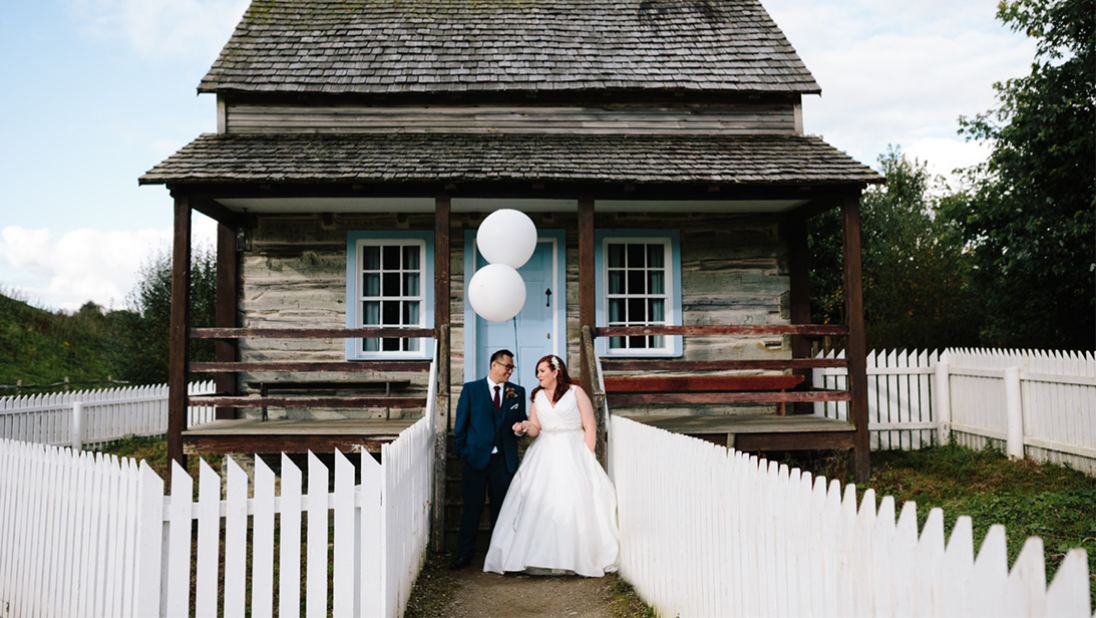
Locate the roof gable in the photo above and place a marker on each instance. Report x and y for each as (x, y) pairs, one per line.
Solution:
(437, 46)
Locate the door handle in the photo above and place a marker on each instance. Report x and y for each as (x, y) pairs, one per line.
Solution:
(548, 297)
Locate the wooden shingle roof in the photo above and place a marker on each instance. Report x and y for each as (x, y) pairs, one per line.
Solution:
(414, 158)
(434, 46)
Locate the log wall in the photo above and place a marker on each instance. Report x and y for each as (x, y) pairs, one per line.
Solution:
(742, 119)
(293, 274)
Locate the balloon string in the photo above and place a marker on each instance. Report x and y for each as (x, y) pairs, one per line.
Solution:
(517, 350)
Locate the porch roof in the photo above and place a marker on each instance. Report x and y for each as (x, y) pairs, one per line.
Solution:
(439, 46)
(426, 158)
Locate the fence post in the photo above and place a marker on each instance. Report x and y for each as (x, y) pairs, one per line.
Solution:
(1014, 409)
(943, 402)
(77, 426)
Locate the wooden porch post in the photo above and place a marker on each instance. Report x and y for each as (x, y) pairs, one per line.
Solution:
(224, 350)
(799, 296)
(441, 326)
(586, 300)
(856, 348)
(180, 321)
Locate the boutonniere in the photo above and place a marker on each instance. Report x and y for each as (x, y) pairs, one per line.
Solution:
(510, 393)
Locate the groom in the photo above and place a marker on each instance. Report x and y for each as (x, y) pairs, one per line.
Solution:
(488, 448)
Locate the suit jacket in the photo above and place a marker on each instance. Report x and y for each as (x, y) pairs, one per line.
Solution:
(478, 422)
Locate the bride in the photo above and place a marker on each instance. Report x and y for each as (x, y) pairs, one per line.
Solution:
(560, 510)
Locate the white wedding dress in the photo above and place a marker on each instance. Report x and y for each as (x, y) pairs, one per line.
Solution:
(560, 511)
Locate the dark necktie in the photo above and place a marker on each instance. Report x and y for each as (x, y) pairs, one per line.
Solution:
(498, 402)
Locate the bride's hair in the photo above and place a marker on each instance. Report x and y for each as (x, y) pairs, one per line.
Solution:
(563, 381)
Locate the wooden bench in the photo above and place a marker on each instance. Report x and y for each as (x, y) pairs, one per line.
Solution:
(703, 389)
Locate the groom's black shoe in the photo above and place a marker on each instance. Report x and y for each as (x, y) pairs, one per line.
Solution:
(460, 562)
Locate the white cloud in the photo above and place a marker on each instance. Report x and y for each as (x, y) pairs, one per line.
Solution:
(945, 155)
(83, 264)
(900, 72)
(182, 28)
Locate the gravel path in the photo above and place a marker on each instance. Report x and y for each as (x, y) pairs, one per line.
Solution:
(471, 593)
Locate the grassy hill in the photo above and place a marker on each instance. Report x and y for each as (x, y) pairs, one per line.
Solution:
(41, 347)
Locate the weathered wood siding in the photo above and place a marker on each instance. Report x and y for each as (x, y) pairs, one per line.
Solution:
(743, 119)
(734, 271)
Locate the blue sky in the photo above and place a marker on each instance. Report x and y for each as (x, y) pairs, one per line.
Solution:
(98, 91)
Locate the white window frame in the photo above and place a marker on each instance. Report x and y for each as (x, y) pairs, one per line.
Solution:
(672, 345)
(356, 297)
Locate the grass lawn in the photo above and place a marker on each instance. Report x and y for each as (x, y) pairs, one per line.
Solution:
(1030, 499)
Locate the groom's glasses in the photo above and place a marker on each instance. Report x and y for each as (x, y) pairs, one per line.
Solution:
(507, 366)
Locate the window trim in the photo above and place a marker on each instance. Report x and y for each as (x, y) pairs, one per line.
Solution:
(602, 237)
(356, 239)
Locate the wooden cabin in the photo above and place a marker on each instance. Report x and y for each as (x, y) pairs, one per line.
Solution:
(658, 145)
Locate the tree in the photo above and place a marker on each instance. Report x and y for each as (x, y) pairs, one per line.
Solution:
(914, 268)
(1028, 214)
(142, 331)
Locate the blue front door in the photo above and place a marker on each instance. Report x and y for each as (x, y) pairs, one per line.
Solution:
(538, 330)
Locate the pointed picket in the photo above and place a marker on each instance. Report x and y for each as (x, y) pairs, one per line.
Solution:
(1067, 596)
(176, 598)
(955, 570)
(149, 536)
(861, 574)
(344, 584)
(903, 554)
(235, 581)
(990, 574)
(209, 533)
(316, 552)
(262, 542)
(1026, 590)
(929, 557)
(289, 548)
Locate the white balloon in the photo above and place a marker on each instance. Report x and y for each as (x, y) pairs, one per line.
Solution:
(507, 237)
(496, 292)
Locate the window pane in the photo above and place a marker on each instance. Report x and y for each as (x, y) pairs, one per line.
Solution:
(371, 313)
(636, 283)
(656, 282)
(390, 345)
(658, 341)
(616, 256)
(371, 345)
(411, 258)
(656, 256)
(656, 310)
(616, 281)
(371, 258)
(637, 342)
(616, 310)
(635, 256)
(637, 311)
(390, 313)
(411, 284)
(391, 284)
(616, 342)
(412, 345)
(371, 284)
(410, 312)
(391, 255)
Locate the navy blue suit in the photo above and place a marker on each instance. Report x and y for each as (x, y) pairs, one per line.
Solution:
(479, 430)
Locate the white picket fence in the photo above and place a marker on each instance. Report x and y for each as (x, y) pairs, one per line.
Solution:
(1046, 401)
(749, 537)
(93, 417)
(82, 534)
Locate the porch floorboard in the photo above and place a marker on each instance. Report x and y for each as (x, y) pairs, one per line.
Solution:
(761, 432)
